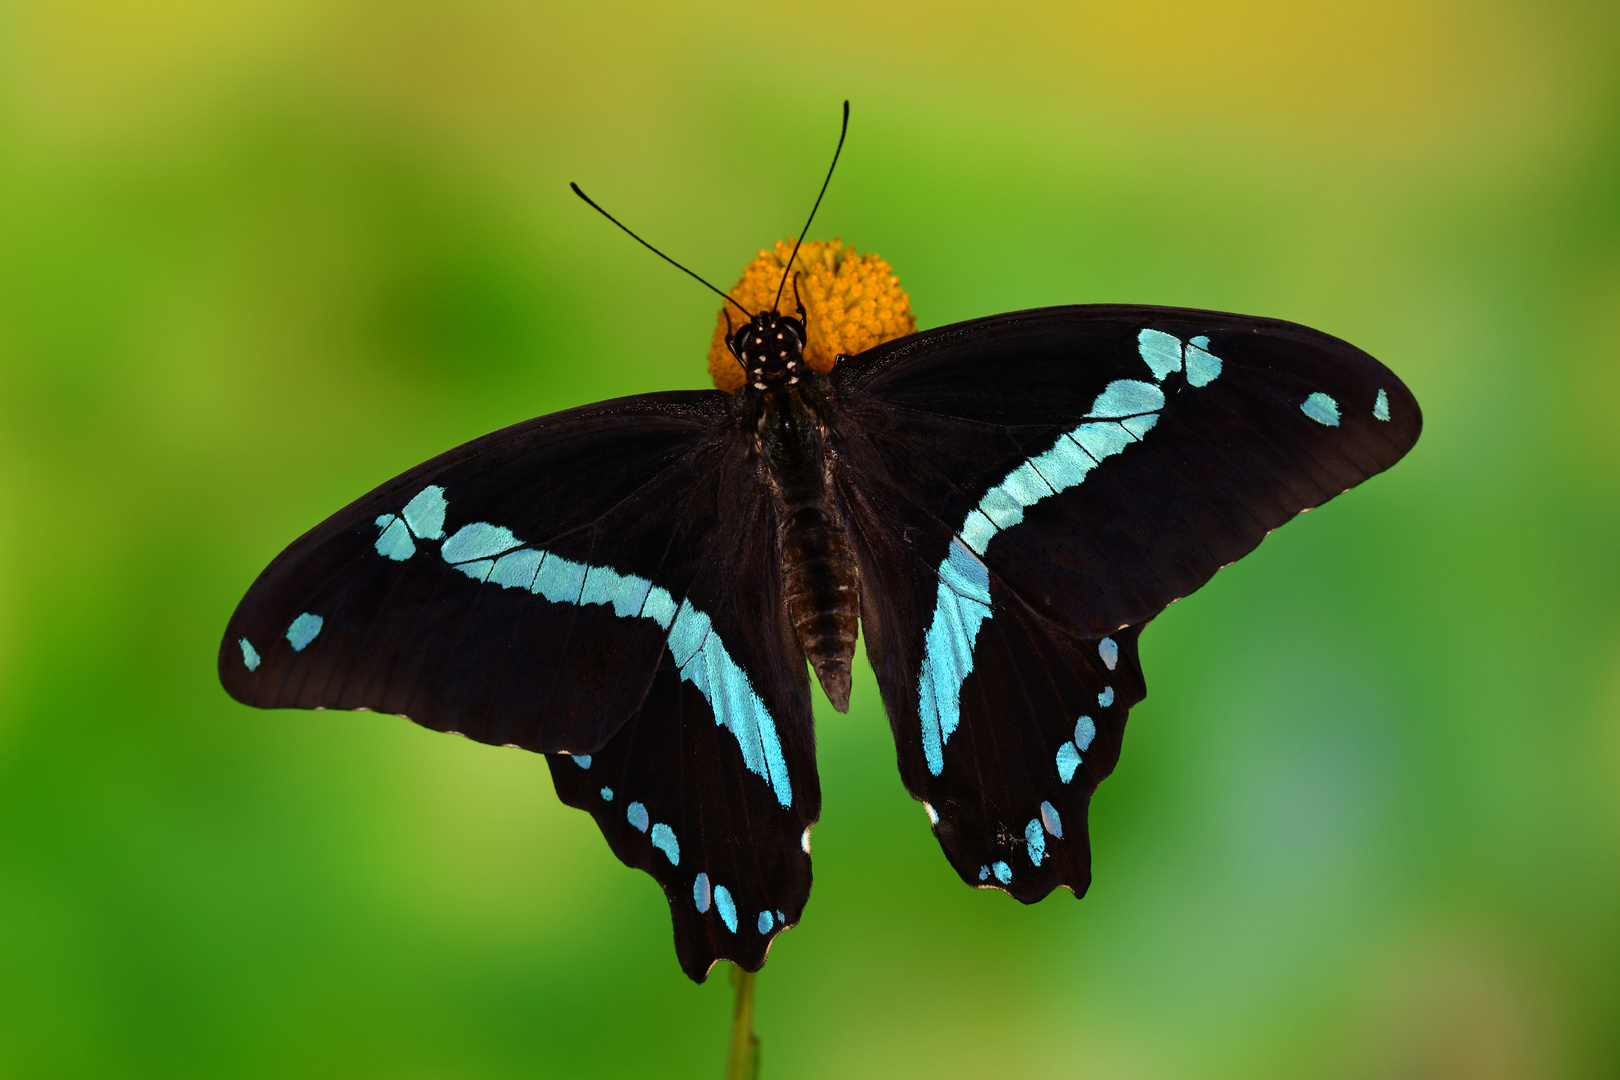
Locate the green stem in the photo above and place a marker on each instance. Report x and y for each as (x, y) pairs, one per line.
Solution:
(742, 1060)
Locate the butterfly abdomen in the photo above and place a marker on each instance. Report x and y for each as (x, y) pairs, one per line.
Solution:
(821, 585)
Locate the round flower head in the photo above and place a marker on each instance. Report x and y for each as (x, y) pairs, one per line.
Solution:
(851, 303)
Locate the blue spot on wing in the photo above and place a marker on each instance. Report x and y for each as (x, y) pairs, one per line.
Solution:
(303, 630)
(250, 655)
(984, 873)
(727, 909)
(1381, 406)
(1322, 409)
(765, 922)
(1108, 650)
(1002, 871)
(1084, 732)
(1050, 820)
(636, 815)
(701, 894)
(1106, 698)
(1203, 366)
(1068, 760)
(663, 838)
(1035, 841)
(395, 540)
(425, 513)
(582, 760)
(607, 794)
(1161, 351)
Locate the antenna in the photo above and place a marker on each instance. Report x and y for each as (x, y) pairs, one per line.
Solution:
(666, 258)
(841, 133)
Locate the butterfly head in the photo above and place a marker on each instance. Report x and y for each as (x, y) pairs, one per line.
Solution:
(770, 348)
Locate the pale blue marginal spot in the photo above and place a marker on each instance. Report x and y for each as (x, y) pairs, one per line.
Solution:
(395, 542)
(1381, 406)
(479, 570)
(663, 838)
(607, 794)
(582, 760)
(250, 655)
(1050, 820)
(1322, 409)
(559, 580)
(425, 513)
(480, 540)
(1161, 351)
(1109, 651)
(781, 918)
(1139, 426)
(659, 606)
(933, 815)
(1203, 366)
(962, 603)
(516, 570)
(701, 895)
(1126, 397)
(984, 873)
(1106, 698)
(1084, 732)
(728, 910)
(1035, 840)
(303, 630)
(1068, 760)
(636, 815)
(766, 921)
(1003, 872)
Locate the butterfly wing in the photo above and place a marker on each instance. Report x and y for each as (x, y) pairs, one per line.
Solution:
(1027, 491)
(592, 584)
(732, 854)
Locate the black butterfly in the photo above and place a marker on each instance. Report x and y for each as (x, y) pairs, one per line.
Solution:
(633, 588)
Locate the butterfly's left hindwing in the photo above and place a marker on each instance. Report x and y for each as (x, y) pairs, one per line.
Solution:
(1027, 491)
(732, 853)
(598, 583)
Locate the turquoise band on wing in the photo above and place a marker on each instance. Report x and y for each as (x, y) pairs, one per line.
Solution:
(1122, 414)
(491, 554)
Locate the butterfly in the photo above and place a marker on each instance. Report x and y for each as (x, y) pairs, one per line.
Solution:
(639, 589)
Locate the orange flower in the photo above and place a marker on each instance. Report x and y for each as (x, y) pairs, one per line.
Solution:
(851, 302)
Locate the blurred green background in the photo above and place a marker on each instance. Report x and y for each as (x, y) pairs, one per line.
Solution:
(258, 257)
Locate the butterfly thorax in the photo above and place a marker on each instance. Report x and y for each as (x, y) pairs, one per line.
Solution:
(785, 404)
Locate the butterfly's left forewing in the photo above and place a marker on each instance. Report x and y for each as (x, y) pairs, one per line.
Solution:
(1028, 491)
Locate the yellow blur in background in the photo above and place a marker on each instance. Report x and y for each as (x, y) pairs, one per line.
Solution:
(256, 258)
